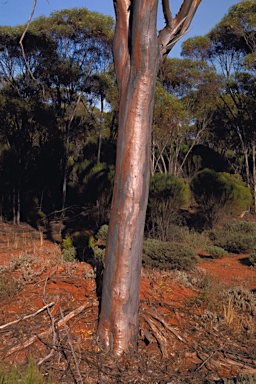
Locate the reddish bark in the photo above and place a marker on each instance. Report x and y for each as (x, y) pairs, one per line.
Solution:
(138, 52)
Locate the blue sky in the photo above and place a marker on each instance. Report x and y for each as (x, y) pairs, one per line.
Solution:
(210, 12)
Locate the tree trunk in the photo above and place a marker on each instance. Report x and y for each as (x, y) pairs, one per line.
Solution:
(100, 128)
(138, 52)
(254, 175)
(136, 68)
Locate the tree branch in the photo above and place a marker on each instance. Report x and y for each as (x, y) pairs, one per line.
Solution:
(177, 27)
(121, 39)
(28, 316)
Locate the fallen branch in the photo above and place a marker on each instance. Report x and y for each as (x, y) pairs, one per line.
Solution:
(163, 343)
(28, 316)
(72, 348)
(59, 324)
(161, 320)
(54, 333)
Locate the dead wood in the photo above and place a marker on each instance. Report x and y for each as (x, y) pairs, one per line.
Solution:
(158, 317)
(162, 339)
(28, 316)
(59, 324)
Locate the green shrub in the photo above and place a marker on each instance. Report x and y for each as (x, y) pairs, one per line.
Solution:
(242, 378)
(245, 227)
(188, 236)
(31, 375)
(216, 252)
(168, 255)
(68, 249)
(167, 194)
(218, 193)
(102, 234)
(231, 242)
(252, 257)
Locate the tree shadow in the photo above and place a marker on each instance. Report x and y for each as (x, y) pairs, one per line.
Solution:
(245, 261)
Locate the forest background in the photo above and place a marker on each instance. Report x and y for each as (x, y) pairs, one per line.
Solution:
(59, 121)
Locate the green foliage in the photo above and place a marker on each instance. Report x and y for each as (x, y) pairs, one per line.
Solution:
(218, 193)
(31, 375)
(216, 252)
(190, 237)
(68, 249)
(167, 194)
(102, 234)
(168, 255)
(242, 378)
(238, 227)
(235, 237)
(252, 257)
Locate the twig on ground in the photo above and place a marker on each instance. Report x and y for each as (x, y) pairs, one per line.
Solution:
(158, 317)
(54, 339)
(72, 348)
(163, 343)
(28, 316)
(59, 324)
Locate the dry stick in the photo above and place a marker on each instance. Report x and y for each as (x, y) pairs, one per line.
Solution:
(206, 360)
(52, 327)
(71, 347)
(171, 329)
(158, 335)
(22, 37)
(48, 331)
(28, 316)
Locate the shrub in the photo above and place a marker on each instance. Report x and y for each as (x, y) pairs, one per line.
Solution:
(252, 257)
(101, 235)
(217, 193)
(68, 250)
(167, 194)
(232, 242)
(245, 227)
(188, 236)
(31, 375)
(216, 252)
(8, 287)
(168, 255)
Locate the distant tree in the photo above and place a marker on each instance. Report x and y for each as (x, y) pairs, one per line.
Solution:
(192, 85)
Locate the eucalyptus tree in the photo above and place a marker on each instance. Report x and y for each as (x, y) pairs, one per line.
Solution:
(82, 42)
(193, 85)
(22, 126)
(230, 47)
(139, 49)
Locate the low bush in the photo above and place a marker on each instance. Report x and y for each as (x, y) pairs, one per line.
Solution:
(168, 255)
(252, 257)
(31, 375)
(244, 227)
(8, 287)
(218, 193)
(216, 252)
(167, 194)
(185, 235)
(68, 249)
(232, 241)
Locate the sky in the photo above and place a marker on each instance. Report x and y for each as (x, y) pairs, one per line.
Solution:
(209, 13)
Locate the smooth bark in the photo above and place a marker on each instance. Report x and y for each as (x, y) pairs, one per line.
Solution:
(138, 52)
